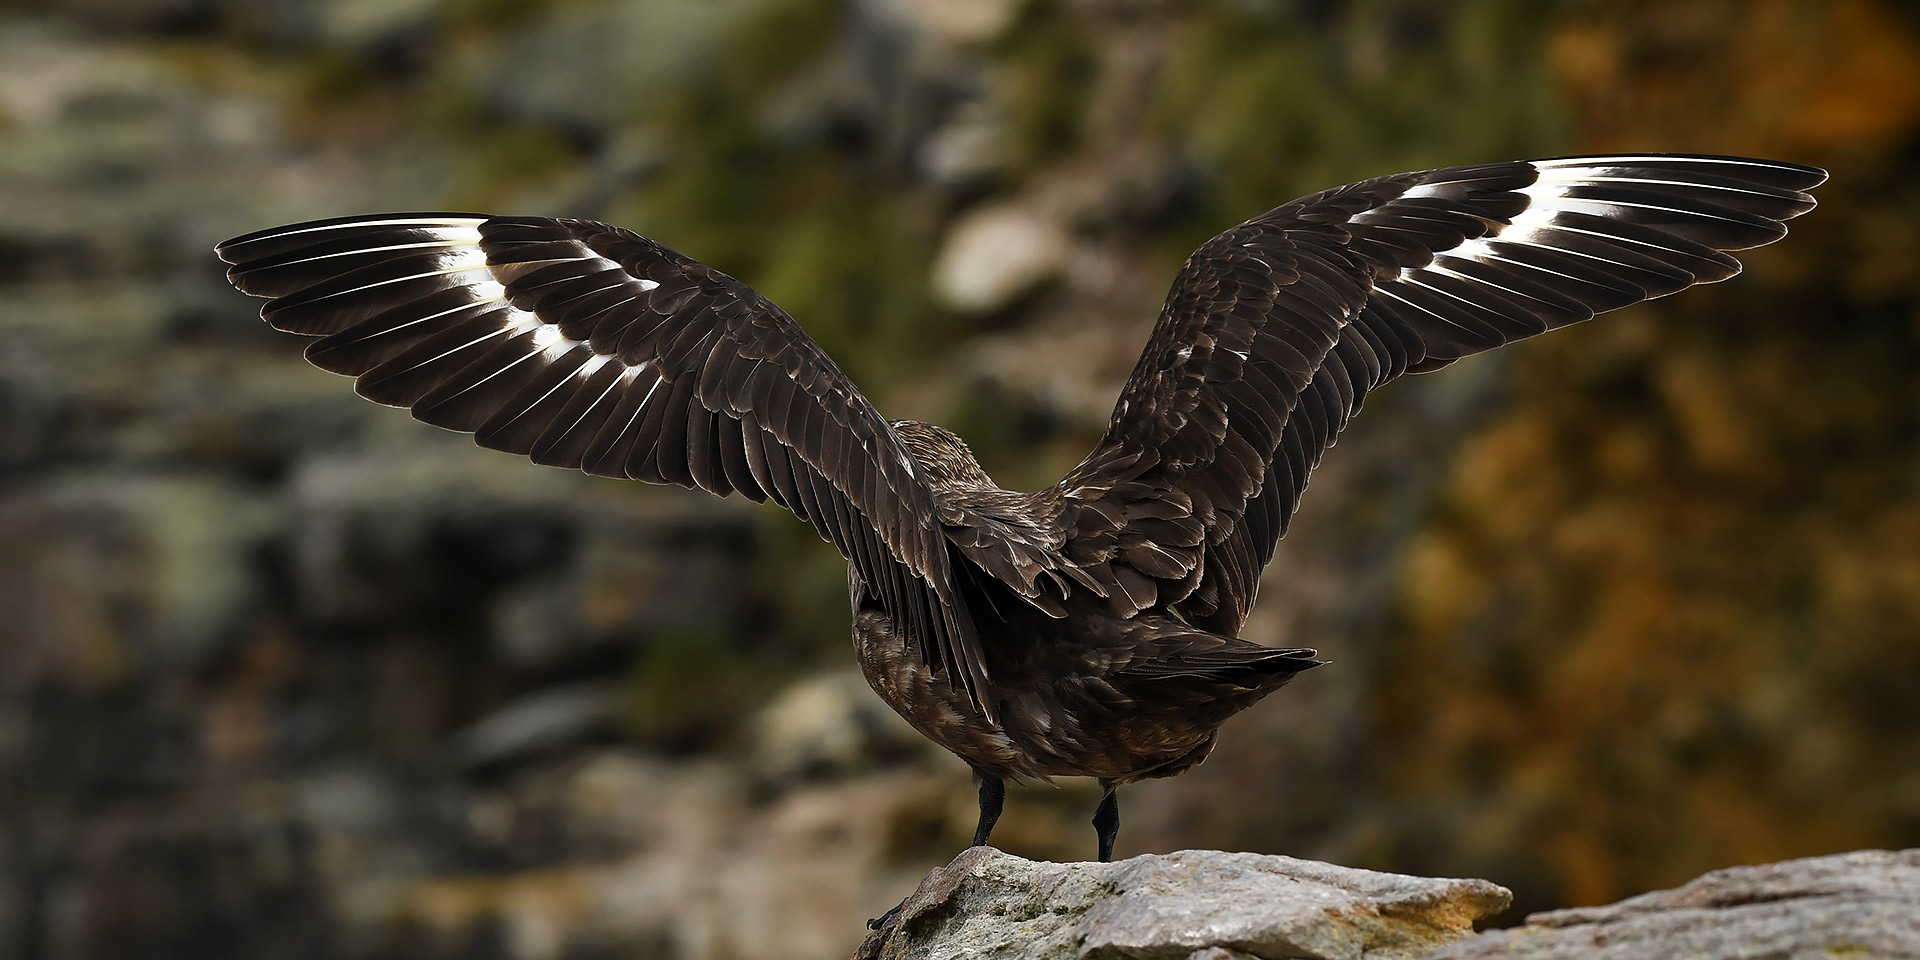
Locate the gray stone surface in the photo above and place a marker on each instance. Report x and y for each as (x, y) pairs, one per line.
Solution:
(1862, 904)
(1190, 904)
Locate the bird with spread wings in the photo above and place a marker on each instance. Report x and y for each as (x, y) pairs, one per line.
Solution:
(1086, 629)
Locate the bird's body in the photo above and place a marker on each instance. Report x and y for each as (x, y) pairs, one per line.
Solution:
(1093, 696)
(1085, 694)
(1087, 629)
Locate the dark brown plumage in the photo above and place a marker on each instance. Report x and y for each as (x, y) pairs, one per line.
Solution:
(1087, 629)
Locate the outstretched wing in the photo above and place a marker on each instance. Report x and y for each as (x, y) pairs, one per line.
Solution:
(586, 346)
(1276, 330)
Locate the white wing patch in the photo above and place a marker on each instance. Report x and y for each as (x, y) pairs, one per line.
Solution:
(1547, 198)
(1594, 234)
(547, 342)
(403, 259)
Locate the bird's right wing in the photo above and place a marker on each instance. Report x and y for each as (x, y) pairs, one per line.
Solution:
(587, 346)
(1276, 330)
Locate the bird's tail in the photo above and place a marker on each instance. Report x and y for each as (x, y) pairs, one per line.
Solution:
(1198, 655)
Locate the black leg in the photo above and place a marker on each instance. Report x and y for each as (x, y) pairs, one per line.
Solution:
(993, 793)
(1106, 821)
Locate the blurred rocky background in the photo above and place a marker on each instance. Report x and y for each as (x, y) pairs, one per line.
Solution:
(287, 675)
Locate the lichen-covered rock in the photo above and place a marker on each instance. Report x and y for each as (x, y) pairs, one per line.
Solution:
(1180, 906)
(1863, 904)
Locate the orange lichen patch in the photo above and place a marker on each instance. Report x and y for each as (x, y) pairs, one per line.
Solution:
(1861, 84)
(1810, 74)
(237, 721)
(1498, 480)
(1586, 859)
(1624, 638)
(1717, 428)
(1873, 576)
(1442, 587)
(532, 909)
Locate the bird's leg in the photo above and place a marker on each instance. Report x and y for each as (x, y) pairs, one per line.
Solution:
(993, 792)
(1106, 820)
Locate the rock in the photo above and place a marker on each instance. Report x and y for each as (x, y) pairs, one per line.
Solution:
(949, 21)
(969, 150)
(1189, 905)
(826, 725)
(702, 870)
(1862, 904)
(995, 256)
(540, 722)
(356, 24)
(592, 67)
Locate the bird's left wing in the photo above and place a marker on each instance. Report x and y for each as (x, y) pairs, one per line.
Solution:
(586, 346)
(1277, 329)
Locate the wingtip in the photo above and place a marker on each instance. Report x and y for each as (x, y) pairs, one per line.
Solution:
(234, 250)
(1815, 175)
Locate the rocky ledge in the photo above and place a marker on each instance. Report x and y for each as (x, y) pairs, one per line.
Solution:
(1191, 905)
(1205, 905)
(1850, 905)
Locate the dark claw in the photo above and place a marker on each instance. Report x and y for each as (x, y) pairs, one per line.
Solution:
(888, 917)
